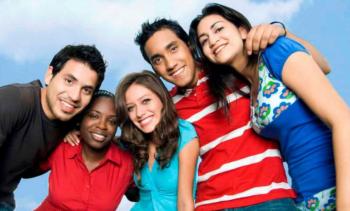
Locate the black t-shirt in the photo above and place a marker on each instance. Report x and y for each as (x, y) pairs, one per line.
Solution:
(27, 136)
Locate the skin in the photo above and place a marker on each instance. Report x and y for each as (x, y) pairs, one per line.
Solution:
(145, 111)
(165, 47)
(69, 91)
(97, 130)
(302, 75)
(144, 107)
(172, 59)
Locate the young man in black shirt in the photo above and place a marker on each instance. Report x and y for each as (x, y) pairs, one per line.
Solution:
(35, 119)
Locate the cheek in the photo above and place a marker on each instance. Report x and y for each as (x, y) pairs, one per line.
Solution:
(132, 117)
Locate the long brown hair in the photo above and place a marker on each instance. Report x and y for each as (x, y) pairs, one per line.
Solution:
(166, 133)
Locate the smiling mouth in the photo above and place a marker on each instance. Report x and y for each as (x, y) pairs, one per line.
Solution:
(145, 121)
(218, 49)
(67, 107)
(98, 137)
(177, 72)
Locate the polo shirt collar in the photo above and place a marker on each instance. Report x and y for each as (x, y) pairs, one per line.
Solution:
(112, 154)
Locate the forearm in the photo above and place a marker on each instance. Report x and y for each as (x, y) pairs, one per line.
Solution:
(185, 204)
(316, 55)
(341, 145)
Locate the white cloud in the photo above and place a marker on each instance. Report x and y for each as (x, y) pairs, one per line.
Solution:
(36, 30)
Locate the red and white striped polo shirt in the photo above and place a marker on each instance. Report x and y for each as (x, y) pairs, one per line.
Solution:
(238, 168)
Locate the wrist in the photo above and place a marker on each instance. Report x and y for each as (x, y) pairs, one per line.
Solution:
(282, 25)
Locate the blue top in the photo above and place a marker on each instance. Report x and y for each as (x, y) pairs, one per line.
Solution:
(306, 143)
(158, 189)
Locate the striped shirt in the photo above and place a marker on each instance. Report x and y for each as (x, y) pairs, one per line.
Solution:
(238, 168)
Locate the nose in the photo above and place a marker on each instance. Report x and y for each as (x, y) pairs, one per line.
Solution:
(170, 63)
(75, 94)
(213, 39)
(102, 124)
(139, 111)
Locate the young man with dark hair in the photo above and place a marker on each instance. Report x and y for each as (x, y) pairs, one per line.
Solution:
(34, 119)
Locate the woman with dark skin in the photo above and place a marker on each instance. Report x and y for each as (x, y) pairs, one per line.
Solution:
(95, 174)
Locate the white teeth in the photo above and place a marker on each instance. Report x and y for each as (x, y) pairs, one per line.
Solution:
(98, 137)
(219, 49)
(178, 71)
(67, 104)
(145, 121)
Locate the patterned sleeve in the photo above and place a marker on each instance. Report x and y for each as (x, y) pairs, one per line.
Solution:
(187, 133)
(277, 54)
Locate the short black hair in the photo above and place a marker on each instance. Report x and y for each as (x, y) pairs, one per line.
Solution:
(148, 29)
(87, 54)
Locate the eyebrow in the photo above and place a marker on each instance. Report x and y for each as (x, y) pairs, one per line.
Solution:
(167, 47)
(171, 44)
(211, 27)
(71, 76)
(138, 99)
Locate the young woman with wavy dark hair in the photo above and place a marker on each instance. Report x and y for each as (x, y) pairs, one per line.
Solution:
(164, 147)
(289, 102)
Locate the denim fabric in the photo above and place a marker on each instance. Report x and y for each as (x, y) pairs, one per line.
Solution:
(273, 205)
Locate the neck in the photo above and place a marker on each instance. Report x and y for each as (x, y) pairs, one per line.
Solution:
(242, 66)
(93, 156)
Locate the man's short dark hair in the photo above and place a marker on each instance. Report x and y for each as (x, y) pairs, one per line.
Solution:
(87, 54)
(148, 29)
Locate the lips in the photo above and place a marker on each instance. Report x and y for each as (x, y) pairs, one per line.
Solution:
(67, 107)
(218, 48)
(177, 72)
(145, 121)
(98, 137)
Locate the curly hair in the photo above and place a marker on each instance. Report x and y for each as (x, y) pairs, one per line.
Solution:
(166, 134)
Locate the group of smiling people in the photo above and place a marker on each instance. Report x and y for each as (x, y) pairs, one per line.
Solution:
(244, 101)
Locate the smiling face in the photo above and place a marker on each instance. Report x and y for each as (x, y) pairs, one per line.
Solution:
(98, 125)
(69, 91)
(144, 107)
(221, 41)
(171, 58)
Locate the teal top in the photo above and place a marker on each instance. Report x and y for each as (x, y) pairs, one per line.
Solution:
(158, 189)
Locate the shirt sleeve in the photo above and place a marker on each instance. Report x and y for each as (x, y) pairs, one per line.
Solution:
(10, 107)
(187, 133)
(277, 54)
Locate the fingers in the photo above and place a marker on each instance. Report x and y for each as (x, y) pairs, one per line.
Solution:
(249, 41)
(72, 138)
(259, 37)
(276, 32)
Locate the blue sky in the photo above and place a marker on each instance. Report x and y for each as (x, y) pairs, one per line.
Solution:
(33, 31)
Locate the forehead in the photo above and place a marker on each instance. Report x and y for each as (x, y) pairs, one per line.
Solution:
(137, 91)
(80, 71)
(104, 104)
(160, 40)
(208, 21)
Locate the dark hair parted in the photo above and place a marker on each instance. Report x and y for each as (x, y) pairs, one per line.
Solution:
(166, 134)
(87, 54)
(220, 77)
(148, 29)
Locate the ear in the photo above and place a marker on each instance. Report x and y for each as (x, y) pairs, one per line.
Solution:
(243, 32)
(48, 75)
